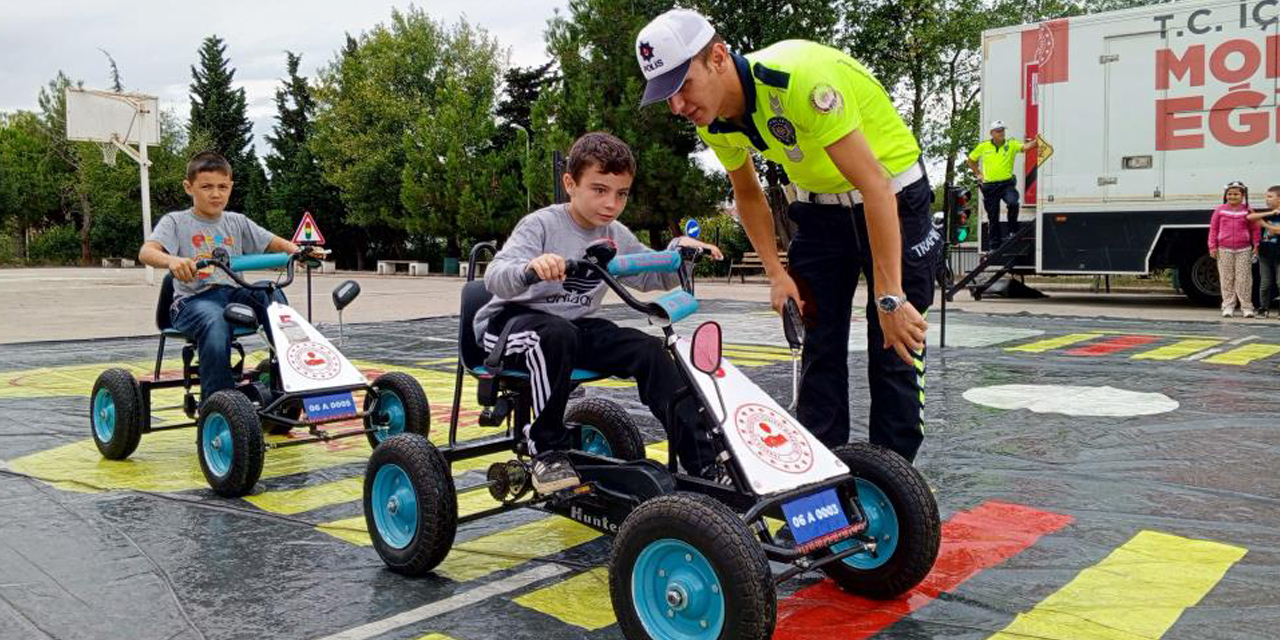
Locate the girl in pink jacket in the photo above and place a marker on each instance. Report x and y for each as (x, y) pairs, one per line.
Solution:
(1233, 240)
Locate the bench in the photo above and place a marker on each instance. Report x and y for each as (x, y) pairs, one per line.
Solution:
(117, 262)
(750, 261)
(465, 267)
(390, 267)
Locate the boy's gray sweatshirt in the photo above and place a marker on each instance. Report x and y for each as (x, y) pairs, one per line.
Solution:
(552, 230)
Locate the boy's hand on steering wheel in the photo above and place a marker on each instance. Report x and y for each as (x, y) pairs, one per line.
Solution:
(183, 269)
(548, 266)
(686, 241)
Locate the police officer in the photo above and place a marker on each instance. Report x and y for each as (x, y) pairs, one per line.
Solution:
(997, 180)
(862, 206)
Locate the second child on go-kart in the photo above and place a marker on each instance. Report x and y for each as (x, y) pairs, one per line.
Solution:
(200, 296)
(549, 325)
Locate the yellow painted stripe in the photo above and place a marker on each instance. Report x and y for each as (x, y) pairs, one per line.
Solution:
(611, 383)
(513, 547)
(759, 348)
(757, 355)
(1040, 346)
(1244, 355)
(751, 363)
(582, 601)
(435, 636)
(291, 501)
(1180, 349)
(1135, 593)
(353, 530)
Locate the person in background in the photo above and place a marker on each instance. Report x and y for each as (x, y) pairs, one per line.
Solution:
(1268, 250)
(1233, 240)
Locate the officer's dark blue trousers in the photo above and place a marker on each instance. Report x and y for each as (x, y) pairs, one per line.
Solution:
(993, 193)
(830, 250)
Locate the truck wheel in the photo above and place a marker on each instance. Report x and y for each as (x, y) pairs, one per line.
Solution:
(229, 439)
(1198, 279)
(606, 429)
(902, 518)
(686, 567)
(115, 414)
(401, 408)
(410, 507)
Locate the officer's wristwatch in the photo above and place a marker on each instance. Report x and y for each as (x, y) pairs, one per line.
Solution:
(890, 303)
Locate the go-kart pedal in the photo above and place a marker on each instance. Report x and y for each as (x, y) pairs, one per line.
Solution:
(552, 472)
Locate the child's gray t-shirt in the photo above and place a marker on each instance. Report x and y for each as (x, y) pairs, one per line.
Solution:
(552, 230)
(186, 235)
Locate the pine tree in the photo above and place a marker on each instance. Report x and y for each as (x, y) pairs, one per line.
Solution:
(219, 114)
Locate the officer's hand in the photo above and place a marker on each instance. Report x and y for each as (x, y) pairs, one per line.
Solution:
(904, 331)
(1214, 254)
(780, 289)
(686, 241)
(548, 266)
(183, 269)
(981, 178)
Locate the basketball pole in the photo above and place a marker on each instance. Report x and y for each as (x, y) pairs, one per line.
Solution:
(144, 170)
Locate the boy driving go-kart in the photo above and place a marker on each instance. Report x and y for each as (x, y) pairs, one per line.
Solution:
(546, 327)
(201, 295)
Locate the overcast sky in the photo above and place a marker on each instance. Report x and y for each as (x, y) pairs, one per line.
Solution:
(155, 43)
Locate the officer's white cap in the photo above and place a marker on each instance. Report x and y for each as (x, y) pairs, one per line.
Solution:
(665, 48)
(997, 124)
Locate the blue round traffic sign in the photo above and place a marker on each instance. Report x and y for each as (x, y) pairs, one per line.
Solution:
(692, 228)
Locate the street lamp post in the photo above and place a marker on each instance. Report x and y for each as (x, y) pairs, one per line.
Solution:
(528, 199)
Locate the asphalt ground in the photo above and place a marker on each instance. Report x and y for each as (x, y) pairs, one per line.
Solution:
(1097, 478)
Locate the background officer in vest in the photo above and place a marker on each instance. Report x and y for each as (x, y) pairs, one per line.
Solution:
(996, 178)
(862, 206)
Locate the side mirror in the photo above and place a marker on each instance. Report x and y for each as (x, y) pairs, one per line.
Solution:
(240, 315)
(706, 348)
(345, 293)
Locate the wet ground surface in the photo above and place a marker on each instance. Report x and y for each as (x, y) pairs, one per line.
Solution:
(1096, 479)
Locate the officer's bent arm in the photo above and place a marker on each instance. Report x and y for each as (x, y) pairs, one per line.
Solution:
(973, 166)
(757, 217)
(853, 157)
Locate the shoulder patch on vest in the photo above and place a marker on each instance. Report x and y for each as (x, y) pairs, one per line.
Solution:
(771, 77)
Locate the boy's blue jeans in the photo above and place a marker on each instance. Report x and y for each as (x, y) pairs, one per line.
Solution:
(200, 318)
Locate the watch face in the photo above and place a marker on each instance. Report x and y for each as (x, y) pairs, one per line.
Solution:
(888, 304)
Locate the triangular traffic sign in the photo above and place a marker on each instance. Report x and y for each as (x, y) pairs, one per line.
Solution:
(308, 231)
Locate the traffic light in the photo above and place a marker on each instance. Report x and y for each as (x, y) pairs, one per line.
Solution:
(957, 206)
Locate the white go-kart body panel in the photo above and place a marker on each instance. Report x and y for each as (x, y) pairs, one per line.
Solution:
(775, 451)
(308, 361)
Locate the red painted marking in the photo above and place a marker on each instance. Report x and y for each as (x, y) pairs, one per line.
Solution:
(1112, 345)
(971, 542)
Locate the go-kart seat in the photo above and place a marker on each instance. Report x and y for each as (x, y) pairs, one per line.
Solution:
(474, 296)
(165, 324)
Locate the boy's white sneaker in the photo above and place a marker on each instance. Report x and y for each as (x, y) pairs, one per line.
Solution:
(1227, 313)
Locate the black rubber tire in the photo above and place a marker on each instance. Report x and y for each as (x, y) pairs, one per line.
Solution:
(436, 498)
(247, 450)
(1201, 290)
(127, 398)
(613, 422)
(919, 528)
(417, 416)
(292, 410)
(751, 606)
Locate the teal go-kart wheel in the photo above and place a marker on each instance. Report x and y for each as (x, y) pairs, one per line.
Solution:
(685, 567)
(902, 517)
(229, 440)
(410, 507)
(606, 429)
(396, 404)
(115, 414)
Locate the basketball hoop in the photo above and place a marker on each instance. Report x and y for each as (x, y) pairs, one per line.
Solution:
(109, 151)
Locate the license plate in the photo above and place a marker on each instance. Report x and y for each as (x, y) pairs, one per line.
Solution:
(815, 515)
(335, 405)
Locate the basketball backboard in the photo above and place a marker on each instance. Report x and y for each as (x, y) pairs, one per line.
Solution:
(98, 116)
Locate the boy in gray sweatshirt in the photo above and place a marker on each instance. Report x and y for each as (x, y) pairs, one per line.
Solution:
(549, 326)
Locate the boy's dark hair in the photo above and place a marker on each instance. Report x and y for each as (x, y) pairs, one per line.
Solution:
(207, 161)
(1275, 188)
(604, 150)
(705, 53)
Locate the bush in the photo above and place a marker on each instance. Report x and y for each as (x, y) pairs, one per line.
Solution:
(116, 233)
(56, 245)
(9, 249)
(724, 232)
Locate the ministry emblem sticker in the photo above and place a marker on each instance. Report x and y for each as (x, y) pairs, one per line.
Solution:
(772, 438)
(313, 360)
(826, 99)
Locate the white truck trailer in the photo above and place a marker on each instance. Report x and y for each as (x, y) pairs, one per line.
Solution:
(1150, 113)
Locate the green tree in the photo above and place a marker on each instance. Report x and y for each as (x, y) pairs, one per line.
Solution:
(29, 187)
(600, 88)
(219, 115)
(297, 184)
